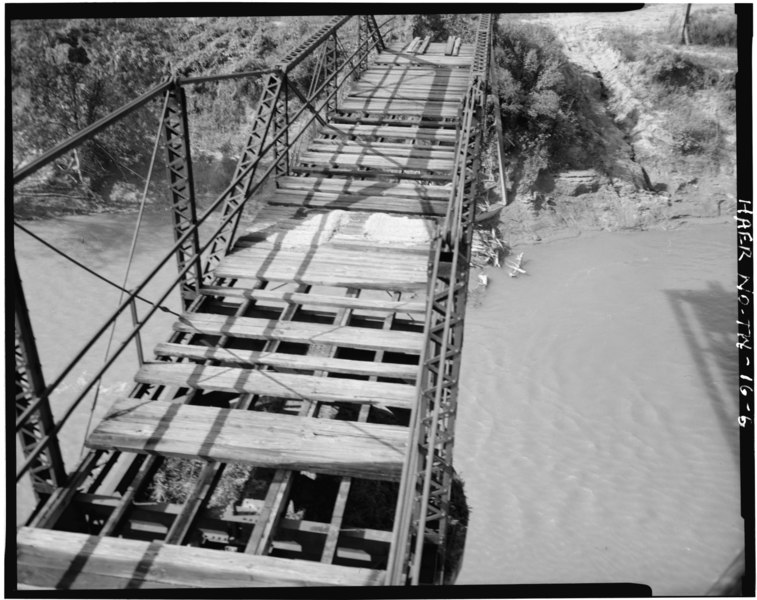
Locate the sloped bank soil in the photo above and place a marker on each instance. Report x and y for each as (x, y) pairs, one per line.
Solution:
(657, 137)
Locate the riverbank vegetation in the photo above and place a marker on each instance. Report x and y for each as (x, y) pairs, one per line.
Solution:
(67, 74)
(611, 123)
(626, 109)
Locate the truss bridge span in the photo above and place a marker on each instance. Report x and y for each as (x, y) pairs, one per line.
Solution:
(317, 352)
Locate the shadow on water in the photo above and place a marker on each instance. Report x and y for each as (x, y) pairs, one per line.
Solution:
(707, 320)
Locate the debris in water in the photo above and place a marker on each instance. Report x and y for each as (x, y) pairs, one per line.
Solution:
(515, 265)
(487, 247)
(483, 279)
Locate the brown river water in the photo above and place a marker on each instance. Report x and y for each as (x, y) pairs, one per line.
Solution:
(597, 429)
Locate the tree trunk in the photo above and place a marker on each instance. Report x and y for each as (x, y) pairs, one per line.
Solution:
(685, 28)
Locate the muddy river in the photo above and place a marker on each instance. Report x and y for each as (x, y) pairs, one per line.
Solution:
(597, 427)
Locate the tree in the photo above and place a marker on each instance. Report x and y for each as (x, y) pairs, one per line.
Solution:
(65, 75)
(441, 26)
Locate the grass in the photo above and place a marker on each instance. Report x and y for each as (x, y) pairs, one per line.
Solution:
(629, 44)
(694, 132)
(707, 27)
(712, 27)
(675, 75)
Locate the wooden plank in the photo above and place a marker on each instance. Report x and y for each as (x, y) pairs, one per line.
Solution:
(408, 342)
(386, 204)
(397, 77)
(381, 149)
(413, 44)
(252, 248)
(369, 173)
(411, 90)
(273, 511)
(426, 108)
(437, 48)
(400, 83)
(65, 560)
(317, 265)
(450, 45)
(318, 269)
(279, 385)
(410, 132)
(421, 80)
(424, 45)
(390, 105)
(317, 300)
(401, 92)
(263, 439)
(366, 188)
(291, 227)
(456, 49)
(376, 161)
(384, 73)
(406, 119)
(407, 59)
(341, 250)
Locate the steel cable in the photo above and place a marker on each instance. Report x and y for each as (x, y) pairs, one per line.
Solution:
(138, 340)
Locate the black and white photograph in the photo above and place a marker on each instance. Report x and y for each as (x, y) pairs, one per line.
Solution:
(458, 305)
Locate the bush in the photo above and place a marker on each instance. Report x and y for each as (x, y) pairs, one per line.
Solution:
(541, 100)
(441, 26)
(674, 70)
(176, 478)
(712, 27)
(626, 42)
(696, 135)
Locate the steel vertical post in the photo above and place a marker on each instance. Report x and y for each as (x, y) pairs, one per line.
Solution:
(373, 30)
(329, 68)
(181, 183)
(281, 123)
(47, 471)
(261, 126)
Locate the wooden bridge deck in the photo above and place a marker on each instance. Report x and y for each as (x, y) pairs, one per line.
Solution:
(316, 325)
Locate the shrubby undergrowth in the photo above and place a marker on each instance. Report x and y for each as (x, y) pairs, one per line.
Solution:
(675, 74)
(67, 74)
(541, 101)
(712, 27)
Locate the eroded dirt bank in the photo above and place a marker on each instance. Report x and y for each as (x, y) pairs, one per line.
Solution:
(658, 145)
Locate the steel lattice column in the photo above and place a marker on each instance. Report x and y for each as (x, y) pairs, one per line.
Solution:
(47, 470)
(238, 195)
(362, 38)
(181, 182)
(329, 68)
(281, 123)
(373, 30)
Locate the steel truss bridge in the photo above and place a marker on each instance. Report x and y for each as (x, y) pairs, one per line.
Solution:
(320, 346)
